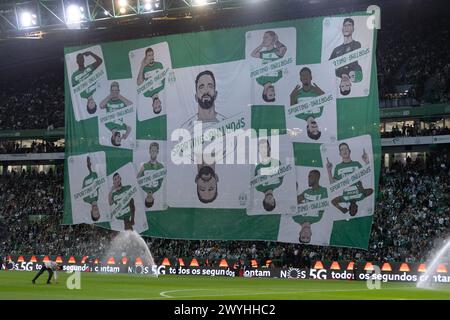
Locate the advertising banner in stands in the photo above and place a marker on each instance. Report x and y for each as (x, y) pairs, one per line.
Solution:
(264, 132)
(337, 270)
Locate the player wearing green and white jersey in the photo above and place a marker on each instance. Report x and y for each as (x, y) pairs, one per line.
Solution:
(150, 68)
(273, 50)
(314, 193)
(205, 95)
(118, 191)
(308, 90)
(305, 223)
(352, 71)
(93, 197)
(82, 74)
(152, 165)
(351, 197)
(113, 102)
(356, 191)
(268, 187)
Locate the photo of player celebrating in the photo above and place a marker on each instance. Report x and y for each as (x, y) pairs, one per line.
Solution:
(127, 212)
(92, 198)
(152, 165)
(269, 50)
(84, 72)
(355, 192)
(150, 68)
(113, 102)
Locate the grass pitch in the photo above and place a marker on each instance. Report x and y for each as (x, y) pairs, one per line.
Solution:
(17, 285)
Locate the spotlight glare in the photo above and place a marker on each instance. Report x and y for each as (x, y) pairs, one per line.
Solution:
(123, 3)
(200, 2)
(73, 14)
(25, 19)
(148, 6)
(122, 10)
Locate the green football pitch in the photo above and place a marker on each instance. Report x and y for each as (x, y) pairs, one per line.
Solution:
(17, 285)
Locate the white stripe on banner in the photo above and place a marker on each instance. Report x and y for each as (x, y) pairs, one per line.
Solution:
(124, 201)
(350, 57)
(89, 81)
(90, 189)
(113, 116)
(270, 67)
(350, 179)
(271, 173)
(153, 82)
(151, 177)
(307, 105)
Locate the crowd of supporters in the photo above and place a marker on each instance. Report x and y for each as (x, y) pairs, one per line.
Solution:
(412, 56)
(411, 219)
(12, 146)
(36, 103)
(414, 131)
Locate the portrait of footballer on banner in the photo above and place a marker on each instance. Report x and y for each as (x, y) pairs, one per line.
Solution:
(88, 81)
(213, 104)
(270, 54)
(272, 182)
(88, 188)
(349, 166)
(313, 223)
(126, 203)
(151, 67)
(117, 120)
(347, 45)
(149, 159)
(311, 112)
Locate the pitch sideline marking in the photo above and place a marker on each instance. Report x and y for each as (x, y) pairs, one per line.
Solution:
(164, 293)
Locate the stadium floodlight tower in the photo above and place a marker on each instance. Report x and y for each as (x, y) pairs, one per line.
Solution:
(27, 15)
(75, 14)
(195, 3)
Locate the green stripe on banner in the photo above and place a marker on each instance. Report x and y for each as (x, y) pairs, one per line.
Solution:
(352, 233)
(211, 224)
(307, 154)
(152, 129)
(269, 118)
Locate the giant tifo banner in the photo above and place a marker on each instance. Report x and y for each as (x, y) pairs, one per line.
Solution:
(266, 132)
